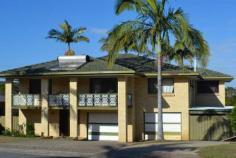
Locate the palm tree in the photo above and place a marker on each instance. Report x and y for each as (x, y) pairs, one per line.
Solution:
(194, 47)
(68, 35)
(149, 33)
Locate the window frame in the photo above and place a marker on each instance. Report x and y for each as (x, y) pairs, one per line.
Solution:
(152, 92)
(208, 92)
(102, 81)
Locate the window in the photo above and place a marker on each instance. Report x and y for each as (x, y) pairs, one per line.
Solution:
(167, 85)
(208, 86)
(35, 86)
(103, 85)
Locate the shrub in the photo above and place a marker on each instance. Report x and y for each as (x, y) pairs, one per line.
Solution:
(30, 129)
(19, 132)
(233, 119)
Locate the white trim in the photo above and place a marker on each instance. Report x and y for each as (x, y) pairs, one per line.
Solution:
(211, 108)
(103, 138)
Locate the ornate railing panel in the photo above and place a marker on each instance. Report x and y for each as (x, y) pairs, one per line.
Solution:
(59, 100)
(98, 100)
(26, 100)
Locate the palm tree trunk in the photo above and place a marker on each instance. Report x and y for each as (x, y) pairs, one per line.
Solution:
(68, 46)
(160, 136)
(182, 61)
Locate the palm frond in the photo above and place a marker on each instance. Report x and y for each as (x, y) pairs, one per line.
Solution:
(67, 34)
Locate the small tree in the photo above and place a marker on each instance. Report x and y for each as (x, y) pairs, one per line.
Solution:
(68, 35)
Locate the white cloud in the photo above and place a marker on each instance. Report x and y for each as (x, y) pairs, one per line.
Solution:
(98, 31)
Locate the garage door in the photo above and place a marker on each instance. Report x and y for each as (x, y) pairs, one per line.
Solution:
(171, 126)
(103, 126)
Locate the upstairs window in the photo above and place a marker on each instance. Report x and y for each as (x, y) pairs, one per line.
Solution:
(35, 86)
(167, 85)
(103, 85)
(208, 87)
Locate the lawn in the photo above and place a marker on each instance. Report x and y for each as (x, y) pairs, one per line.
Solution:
(221, 151)
(5, 139)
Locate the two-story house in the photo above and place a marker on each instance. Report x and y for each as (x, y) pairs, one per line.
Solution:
(81, 97)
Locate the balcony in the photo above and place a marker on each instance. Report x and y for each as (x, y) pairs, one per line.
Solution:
(27, 100)
(59, 100)
(98, 100)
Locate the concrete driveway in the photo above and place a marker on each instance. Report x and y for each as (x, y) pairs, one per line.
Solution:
(44, 148)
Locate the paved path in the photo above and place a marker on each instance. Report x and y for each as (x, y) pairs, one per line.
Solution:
(41, 148)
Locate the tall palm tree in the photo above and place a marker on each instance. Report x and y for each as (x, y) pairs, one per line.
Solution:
(68, 35)
(149, 33)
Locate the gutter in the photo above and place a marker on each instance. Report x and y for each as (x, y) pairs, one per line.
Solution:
(92, 73)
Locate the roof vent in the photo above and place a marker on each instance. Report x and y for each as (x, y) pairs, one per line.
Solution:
(72, 62)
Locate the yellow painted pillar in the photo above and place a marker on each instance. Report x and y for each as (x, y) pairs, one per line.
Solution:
(182, 93)
(73, 108)
(122, 109)
(54, 122)
(83, 125)
(22, 121)
(44, 111)
(131, 112)
(8, 104)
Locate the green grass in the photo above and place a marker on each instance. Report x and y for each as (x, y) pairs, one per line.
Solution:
(221, 151)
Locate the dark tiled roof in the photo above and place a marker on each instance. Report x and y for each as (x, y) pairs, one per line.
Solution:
(126, 63)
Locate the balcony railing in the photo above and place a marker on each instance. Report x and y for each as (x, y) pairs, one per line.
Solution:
(59, 100)
(26, 100)
(98, 100)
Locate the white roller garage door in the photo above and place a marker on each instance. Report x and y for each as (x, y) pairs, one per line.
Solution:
(103, 126)
(171, 126)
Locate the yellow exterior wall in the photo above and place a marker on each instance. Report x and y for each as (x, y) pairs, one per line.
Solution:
(24, 85)
(44, 107)
(54, 123)
(177, 102)
(217, 99)
(122, 109)
(83, 85)
(142, 102)
(31, 116)
(131, 111)
(82, 125)
(73, 108)
(60, 85)
(8, 104)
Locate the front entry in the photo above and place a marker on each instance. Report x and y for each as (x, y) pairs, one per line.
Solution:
(64, 122)
(171, 126)
(103, 126)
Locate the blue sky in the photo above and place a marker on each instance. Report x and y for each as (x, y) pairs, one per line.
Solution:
(25, 23)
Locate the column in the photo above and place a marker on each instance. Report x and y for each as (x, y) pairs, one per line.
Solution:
(131, 112)
(8, 104)
(83, 125)
(44, 110)
(73, 108)
(22, 121)
(122, 109)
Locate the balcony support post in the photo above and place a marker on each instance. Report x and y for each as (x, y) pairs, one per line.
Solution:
(44, 110)
(73, 108)
(8, 104)
(122, 109)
